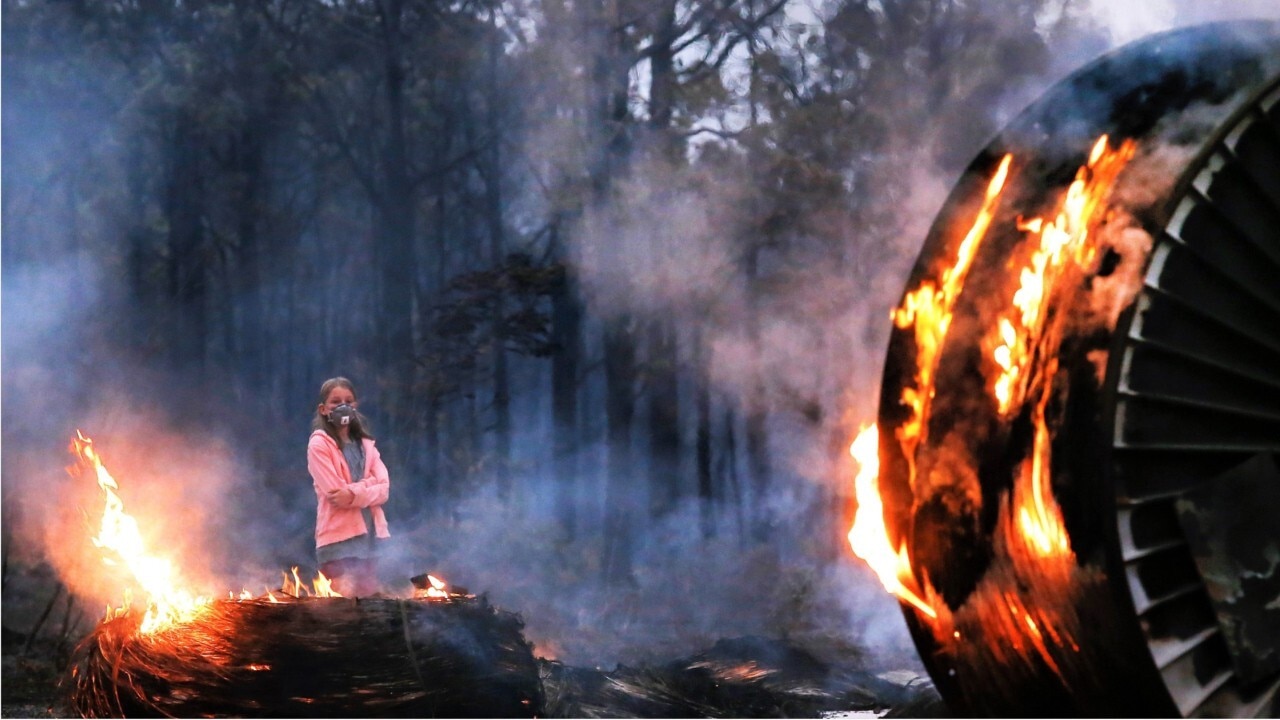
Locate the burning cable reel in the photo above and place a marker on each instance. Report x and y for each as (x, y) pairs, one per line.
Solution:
(1080, 410)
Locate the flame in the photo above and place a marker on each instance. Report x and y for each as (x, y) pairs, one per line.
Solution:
(1063, 239)
(168, 600)
(1028, 340)
(1039, 517)
(868, 537)
(1024, 349)
(438, 589)
(291, 584)
(323, 586)
(928, 309)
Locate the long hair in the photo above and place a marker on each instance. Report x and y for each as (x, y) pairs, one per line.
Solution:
(359, 425)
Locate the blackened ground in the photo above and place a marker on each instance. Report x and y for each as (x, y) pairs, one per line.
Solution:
(30, 686)
(751, 677)
(744, 677)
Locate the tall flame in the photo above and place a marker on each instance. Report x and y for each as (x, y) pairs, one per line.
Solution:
(1039, 517)
(168, 600)
(1028, 341)
(868, 537)
(324, 586)
(928, 309)
(1063, 238)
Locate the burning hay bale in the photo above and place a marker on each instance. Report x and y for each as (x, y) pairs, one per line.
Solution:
(313, 657)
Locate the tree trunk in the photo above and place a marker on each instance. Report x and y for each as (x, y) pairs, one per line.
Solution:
(728, 471)
(395, 226)
(706, 487)
(261, 101)
(566, 336)
(756, 426)
(664, 405)
(757, 439)
(140, 255)
(252, 334)
(663, 82)
(187, 286)
(622, 493)
(664, 418)
(608, 97)
(494, 208)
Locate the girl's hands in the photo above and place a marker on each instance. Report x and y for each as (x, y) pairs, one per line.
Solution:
(342, 497)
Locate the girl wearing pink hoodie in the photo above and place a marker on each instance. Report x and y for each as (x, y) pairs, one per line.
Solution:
(351, 485)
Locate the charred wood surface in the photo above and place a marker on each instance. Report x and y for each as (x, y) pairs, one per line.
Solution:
(314, 657)
(751, 677)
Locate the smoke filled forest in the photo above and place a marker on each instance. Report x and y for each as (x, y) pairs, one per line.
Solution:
(612, 281)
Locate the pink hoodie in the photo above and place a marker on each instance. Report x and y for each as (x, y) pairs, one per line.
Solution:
(329, 472)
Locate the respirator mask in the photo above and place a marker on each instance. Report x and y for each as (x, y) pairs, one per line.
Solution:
(342, 415)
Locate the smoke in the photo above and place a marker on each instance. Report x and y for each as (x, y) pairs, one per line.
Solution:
(689, 590)
(186, 485)
(82, 352)
(70, 364)
(805, 338)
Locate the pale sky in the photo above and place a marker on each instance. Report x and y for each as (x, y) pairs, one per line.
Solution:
(1128, 20)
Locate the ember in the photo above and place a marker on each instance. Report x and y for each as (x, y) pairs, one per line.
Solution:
(313, 657)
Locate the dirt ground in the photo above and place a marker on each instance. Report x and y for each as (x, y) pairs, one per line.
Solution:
(31, 669)
(29, 688)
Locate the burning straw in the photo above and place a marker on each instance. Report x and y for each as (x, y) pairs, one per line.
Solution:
(313, 657)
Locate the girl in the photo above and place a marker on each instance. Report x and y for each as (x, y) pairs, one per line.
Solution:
(351, 484)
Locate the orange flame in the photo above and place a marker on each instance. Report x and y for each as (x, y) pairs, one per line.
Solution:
(1024, 350)
(928, 309)
(168, 600)
(1039, 517)
(1062, 239)
(868, 537)
(323, 586)
(1027, 345)
(439, 590)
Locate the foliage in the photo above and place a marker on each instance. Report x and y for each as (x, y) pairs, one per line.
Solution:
(505, 304)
